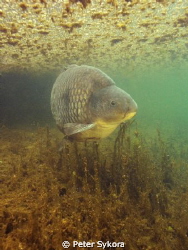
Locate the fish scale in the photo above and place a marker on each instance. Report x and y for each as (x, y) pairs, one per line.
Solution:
(86, 103)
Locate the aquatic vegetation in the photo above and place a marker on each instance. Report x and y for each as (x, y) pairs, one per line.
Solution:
(48, 34)
(124, 188)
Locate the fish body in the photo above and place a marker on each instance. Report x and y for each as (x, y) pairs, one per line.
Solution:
(86, 103)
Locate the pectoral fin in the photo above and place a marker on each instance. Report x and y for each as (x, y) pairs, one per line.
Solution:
(74, 128)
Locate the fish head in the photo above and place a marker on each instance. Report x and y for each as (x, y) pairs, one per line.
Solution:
(112, 105)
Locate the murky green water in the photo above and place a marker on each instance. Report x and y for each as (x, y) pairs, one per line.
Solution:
(162, 100)
(161, 97)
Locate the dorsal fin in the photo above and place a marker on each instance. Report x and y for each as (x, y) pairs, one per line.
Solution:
(68, 67)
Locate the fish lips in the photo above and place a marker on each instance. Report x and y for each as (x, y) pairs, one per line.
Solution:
(129, 115)
(131, 111)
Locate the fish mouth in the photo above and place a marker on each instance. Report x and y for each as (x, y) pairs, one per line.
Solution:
(132, 110)
(129, 115)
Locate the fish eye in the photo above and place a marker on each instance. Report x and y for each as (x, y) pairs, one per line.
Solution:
(113, 103)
